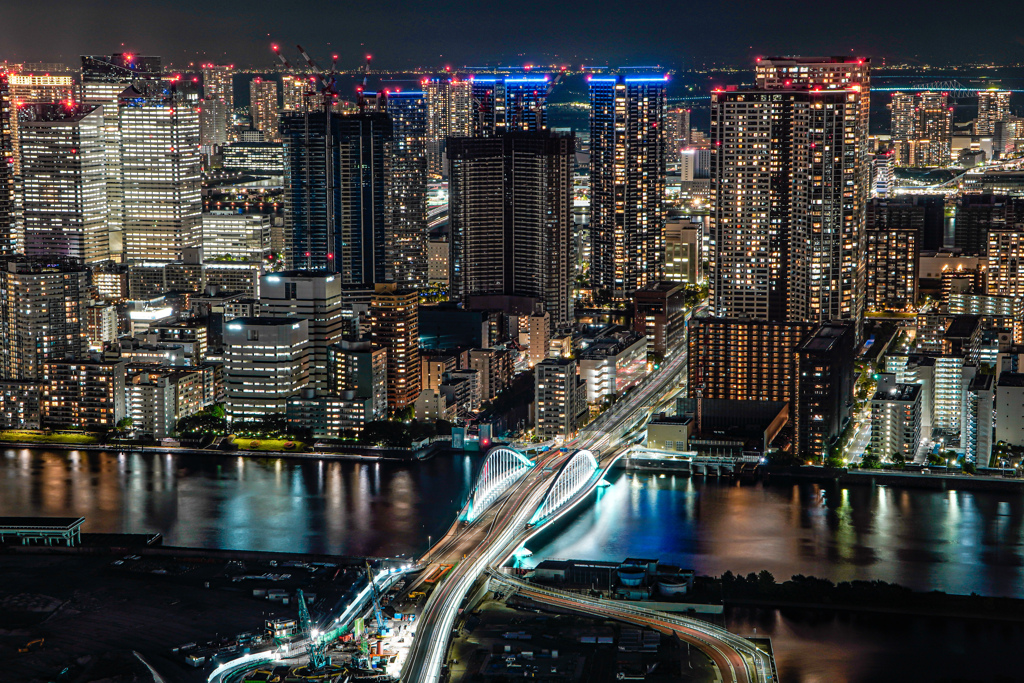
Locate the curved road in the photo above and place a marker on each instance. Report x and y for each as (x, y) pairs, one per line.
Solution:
(499, 532)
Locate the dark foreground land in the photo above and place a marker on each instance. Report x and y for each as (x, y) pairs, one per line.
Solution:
(92, 617)
(81, 615)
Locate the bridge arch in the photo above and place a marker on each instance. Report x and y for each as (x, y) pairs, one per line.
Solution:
(502, 467)
(574, 474)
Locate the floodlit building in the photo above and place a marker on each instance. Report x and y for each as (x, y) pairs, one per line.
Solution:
(160, 175)
(895, 418)
(612, 366)
(244, 236)
(64, 182)
(266, 362)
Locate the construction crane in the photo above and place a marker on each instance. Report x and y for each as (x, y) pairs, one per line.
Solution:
(361, 89)
(383, 630)
(317, 648)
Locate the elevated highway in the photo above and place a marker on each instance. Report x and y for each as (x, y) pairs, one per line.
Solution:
(531, 499)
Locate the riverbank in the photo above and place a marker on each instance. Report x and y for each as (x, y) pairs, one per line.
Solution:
(869, 597)
(932, 481)
(344, 453)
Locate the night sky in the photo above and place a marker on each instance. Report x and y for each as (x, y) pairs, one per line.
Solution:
(406, 34)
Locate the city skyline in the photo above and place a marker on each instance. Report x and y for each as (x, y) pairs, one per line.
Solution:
(403, 36)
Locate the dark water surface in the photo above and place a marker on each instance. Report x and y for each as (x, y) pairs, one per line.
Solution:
(959, 542)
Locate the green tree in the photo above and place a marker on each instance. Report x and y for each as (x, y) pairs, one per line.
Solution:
(871, 461)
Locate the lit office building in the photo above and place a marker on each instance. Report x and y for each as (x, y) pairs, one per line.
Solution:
(993, 108)
(240, 235)
(263, 107)
(255, 157)
(64, 184)
(266, 362)
(893, 231)
(511, 219)
(406, 251)
(394, 327)
(28, 89)
(161, 181)
(345, 230)
(315, 297)
(683, 246)
(509, 103)
(450, 114)
(42, 315)
(104, 78)
(882, 174)
(627, 181)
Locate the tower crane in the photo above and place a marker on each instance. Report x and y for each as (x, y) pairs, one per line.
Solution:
(383, 630)
(316, 647)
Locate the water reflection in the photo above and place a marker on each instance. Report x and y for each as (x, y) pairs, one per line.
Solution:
(956, 541)
(232, 502)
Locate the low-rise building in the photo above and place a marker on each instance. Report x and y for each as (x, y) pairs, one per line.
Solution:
(329, 417)
(561, 398)
(82, 394)
(659, 313)
(266, 362)
(1010, 408)
(895, 418)
(613, 364)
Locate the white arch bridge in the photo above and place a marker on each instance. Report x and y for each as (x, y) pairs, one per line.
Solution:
(502, 467)
(574, 475)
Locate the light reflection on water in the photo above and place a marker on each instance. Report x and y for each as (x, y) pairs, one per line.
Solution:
(957, 541)
(232, 502)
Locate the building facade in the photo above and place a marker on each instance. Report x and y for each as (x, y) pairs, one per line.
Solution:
(628, 151)
(266, 362)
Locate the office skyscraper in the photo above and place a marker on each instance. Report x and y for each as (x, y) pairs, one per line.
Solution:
(993, 107)
(406, 250)
(263, 107)
(627, 181)
(790, 177)
(450, 115)
(104, 78)
(42, 315)
(160, 167)
(336, 193)
(511, 219)
(64, 195)
(516, 241)
(8, 226)
(28, 89)
(508, 103)
(212, 120)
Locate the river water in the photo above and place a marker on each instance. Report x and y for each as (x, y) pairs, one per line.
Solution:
(959, 542)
